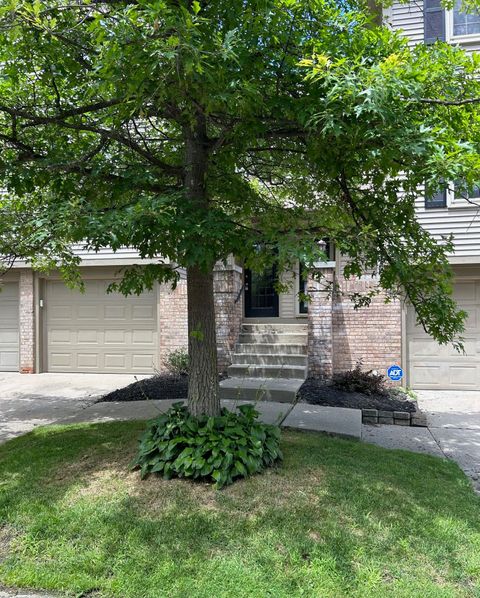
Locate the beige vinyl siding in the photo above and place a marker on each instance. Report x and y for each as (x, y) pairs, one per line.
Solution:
(409, 18)
(473, 46)
(462, 222)
(287, 301)
(107, 255)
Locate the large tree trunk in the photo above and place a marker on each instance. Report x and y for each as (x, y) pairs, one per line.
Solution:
(202, 345)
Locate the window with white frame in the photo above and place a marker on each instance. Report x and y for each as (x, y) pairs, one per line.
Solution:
(451, 195)
(460, 195)
(464, 24)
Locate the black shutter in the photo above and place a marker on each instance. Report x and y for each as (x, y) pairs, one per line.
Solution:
(434, 21)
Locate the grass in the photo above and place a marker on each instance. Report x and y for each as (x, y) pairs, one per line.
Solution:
(339, 518)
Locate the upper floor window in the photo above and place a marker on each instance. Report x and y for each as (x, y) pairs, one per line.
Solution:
(462, 197)
(453, 25)
(453, 195)
(464, 23)
(473, 193)
(435, 198)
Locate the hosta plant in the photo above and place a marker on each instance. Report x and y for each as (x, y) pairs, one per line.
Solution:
(216, 449)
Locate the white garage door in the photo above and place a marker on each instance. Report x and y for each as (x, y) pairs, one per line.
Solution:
(96, 332)
(9, 331)
(441, 367)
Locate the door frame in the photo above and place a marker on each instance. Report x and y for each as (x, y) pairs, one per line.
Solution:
(258, 312)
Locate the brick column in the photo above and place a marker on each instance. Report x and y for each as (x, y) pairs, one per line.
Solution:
(228, 281)
(27, 322)
(320, 338)
(172, 319)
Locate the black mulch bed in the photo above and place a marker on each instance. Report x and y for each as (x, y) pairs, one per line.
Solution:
(164, 386)
(317, 392)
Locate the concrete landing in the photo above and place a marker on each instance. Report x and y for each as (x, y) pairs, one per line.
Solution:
(281, 390)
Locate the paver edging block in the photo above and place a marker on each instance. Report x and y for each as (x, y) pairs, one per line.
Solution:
(397, 418)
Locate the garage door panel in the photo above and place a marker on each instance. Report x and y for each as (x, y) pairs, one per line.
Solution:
(115, 361)
(143, 312)
(434, 366)
(422, 348)
(114, 312)
(425, 374)
(88, 312)
(8, 336)
(9, 327)
(116, 337)
(106, 332)
(9, 311)
(140, 337)
(89, 337)
(140, 361)
(63, 313)
(88, 360)
(61, 361)
(9, 360)
(465, 291)
(61, 336)
(465, 376)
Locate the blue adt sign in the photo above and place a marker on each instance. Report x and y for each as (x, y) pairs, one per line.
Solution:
(395, 373)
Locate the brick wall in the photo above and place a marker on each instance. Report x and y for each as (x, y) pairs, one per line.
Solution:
(372, 334)
(227, 282)
(339, 335)
(173, 315)
(27, 322)
(172, 319)
(320, 325)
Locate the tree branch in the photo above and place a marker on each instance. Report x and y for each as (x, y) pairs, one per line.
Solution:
(443, 102)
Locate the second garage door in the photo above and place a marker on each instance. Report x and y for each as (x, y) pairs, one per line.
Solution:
(9, 333)
(432, 366)
(96, 332)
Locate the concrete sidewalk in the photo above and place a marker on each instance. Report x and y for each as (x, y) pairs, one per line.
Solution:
(453, 432)
(454, 421)
(453, 417)
(332, 420)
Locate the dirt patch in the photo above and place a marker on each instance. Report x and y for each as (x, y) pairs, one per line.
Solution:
(317, 392)
(7, 535)
(157, 388)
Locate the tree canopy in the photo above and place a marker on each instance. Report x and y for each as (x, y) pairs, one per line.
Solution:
(193, 130)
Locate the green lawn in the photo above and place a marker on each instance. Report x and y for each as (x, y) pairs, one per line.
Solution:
(339, 518)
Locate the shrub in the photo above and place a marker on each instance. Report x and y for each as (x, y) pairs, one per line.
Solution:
(177, 362)
(358, 380)
(404, 393)
(219, 449)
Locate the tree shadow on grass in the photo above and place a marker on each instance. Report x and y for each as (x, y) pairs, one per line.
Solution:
(336, 515)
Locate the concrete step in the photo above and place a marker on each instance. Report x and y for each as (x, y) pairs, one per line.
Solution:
(282, 390)
(274, 328)
(271, 348)
(269, 359)
(290, 338)
(267, 371)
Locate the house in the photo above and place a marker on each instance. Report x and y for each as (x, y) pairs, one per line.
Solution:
(261, 334)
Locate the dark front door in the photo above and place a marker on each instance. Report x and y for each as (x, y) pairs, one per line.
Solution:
(261, 298)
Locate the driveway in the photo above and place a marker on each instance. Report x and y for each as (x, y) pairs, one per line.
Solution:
(27, 401)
